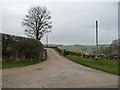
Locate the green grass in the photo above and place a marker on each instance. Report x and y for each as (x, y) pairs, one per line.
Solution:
(106, 65)
(0, 64)
(87, 49)
(19, 63)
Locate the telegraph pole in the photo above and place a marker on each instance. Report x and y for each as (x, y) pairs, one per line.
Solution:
(47, 38)
(96, 39)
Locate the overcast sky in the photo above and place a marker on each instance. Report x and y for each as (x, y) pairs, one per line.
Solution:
(73, 22)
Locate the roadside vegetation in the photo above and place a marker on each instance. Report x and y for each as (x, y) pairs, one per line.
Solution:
(106, 65)
(103, 64)
(20, 51)
(19, 63)
(0, 64)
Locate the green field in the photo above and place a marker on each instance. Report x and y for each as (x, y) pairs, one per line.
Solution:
(86, 48)
(106, 65)
(19, 63)
(78, 48)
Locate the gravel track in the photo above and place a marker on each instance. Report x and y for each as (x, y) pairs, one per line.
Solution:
(57, 72)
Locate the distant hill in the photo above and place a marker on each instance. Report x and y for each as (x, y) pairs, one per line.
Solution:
(77, 48)
(91, 49)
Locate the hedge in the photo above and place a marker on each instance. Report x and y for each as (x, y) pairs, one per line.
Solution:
(16, 48)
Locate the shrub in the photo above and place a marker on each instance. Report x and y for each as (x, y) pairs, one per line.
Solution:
(16, 47)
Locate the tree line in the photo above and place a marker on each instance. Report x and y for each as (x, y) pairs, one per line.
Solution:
(111, 49)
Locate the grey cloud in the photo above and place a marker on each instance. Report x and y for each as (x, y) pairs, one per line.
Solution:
(73, 22)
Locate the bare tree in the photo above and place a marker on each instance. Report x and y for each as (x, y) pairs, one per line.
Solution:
(37, 22)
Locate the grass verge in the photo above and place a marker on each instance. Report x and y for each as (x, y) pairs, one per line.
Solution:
(0, 64)
(106, 65)
(19, 63)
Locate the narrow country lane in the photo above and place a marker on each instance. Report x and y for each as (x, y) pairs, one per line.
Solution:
(57, 72)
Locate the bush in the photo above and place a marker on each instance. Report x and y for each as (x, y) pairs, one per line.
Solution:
(16, 47)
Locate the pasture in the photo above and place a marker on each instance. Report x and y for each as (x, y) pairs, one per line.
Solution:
(86, 48)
